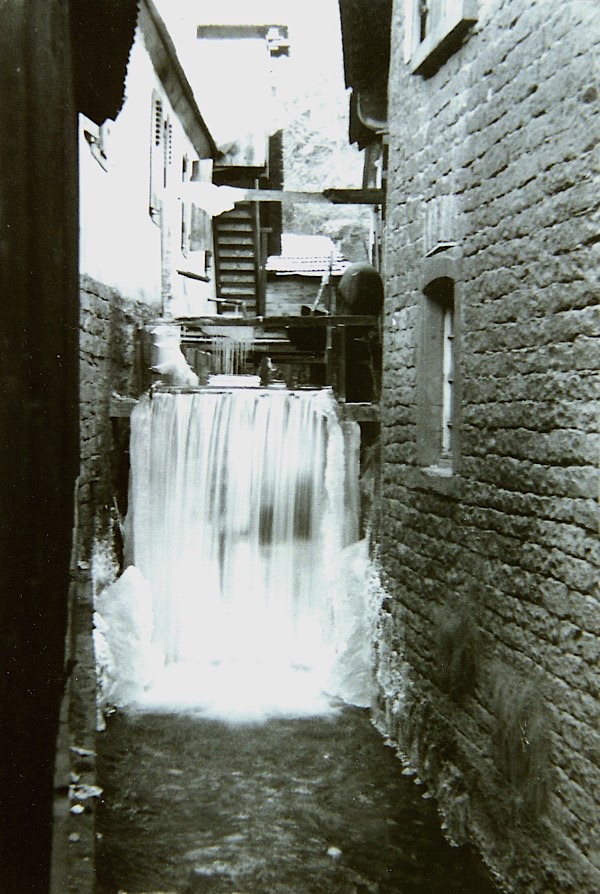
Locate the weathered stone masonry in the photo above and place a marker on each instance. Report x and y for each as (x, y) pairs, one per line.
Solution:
(110, 365)
(111, 362)
(488, 657)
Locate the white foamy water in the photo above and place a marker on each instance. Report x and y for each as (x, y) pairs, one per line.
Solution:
(244, 600)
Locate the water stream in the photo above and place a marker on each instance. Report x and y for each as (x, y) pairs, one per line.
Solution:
(244, 595)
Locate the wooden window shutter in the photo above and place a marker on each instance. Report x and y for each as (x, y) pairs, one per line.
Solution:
(156, 157)
(168, 150)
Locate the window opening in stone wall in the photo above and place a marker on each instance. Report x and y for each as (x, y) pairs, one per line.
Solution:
(434, 30)
(441, 231)
(447, 379)
(437, 380)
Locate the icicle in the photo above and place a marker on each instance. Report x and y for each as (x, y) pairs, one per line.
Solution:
(230, 351)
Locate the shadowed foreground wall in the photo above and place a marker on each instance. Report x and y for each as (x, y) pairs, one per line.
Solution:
(488, 648)
(38, 417)
(39, 321)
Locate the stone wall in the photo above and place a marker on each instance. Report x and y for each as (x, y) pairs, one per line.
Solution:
(111, 362)
(488, 649)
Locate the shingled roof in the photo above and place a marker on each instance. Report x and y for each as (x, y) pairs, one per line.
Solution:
(306, 256)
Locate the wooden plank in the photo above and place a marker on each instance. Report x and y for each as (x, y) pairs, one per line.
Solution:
(358, 412)
(328, 196)
(231, 270)
(242, 241)
(288, 322)
(234, 226)
(191, 275)
(233, 289)
(364, 196)
(288, 196)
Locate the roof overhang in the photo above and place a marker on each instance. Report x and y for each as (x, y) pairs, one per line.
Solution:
(101, 37)
(166, 63)
(366, 28)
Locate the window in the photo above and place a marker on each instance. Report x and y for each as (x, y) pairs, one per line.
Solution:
(447, 364)
(434, 29)
(168, 150)
(437, 366)
(441, 231)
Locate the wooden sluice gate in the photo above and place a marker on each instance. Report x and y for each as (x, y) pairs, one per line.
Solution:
(341, 352)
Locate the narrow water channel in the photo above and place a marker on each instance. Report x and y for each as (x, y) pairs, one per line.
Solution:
(287, 806)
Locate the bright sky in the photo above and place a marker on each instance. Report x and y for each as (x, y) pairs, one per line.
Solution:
(314, 65)
(310, 18)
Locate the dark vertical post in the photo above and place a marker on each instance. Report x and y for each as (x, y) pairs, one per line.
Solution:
(338, 379)
(329, 356)
(38, 417)
(276, 180)
(335, 359)
(259, 258)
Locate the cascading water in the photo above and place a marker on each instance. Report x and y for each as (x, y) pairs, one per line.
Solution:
(238, 514)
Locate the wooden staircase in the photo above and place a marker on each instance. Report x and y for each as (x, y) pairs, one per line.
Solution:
(237, 259)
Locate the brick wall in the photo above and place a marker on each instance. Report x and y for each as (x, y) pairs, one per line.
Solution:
(488, 649)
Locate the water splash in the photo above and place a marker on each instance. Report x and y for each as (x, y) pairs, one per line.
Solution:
(239, 512)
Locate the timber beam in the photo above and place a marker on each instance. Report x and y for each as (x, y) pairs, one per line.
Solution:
(365, 196)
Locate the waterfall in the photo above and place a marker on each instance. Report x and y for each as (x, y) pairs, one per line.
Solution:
(239, 505)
